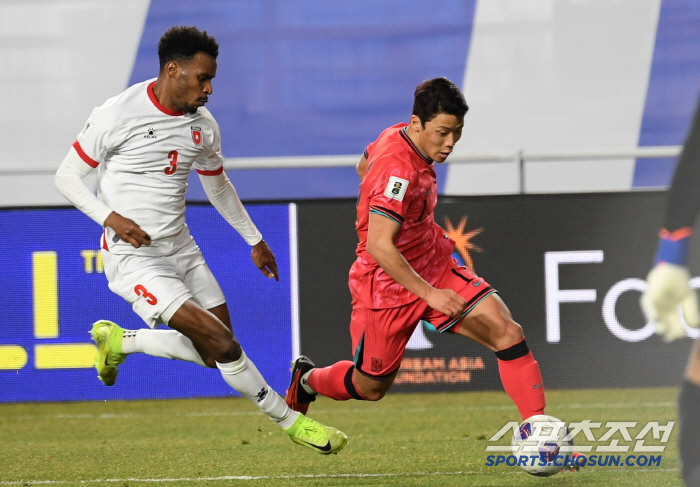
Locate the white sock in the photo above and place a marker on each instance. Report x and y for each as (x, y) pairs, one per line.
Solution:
(161, 343)
(243, 376)
(305, 383)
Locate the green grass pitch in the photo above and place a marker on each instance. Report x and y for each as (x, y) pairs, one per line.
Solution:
(403, 440)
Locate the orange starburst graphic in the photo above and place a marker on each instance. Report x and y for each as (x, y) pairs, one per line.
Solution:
(462, 239)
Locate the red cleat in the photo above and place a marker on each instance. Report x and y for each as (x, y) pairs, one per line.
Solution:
(297, 397)
(577, 461)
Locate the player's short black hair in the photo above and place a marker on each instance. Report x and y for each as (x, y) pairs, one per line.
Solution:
(436, 96)
(179, 43)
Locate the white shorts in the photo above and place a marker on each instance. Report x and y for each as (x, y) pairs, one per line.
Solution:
(156, 287)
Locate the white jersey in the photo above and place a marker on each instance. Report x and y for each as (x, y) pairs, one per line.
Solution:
(144, 153)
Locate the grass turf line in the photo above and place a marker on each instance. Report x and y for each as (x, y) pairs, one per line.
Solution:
(405, 439)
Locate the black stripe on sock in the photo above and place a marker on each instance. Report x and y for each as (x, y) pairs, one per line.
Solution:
(516, 351)
(349, 386)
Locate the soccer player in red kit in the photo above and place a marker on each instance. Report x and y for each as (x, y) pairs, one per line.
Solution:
(405, 272)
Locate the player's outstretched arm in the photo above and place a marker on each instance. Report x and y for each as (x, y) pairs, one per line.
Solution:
(69, 182)
(380, 245)
(225, 199)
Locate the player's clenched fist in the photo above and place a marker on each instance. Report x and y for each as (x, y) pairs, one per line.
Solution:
(667, 287)
(446, 301)
(127, 230)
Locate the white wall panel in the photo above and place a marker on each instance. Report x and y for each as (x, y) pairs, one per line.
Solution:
(35, 190)
(546, 75)
(60, 59)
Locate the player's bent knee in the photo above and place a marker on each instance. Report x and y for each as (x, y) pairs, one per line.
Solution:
(370, 389)
(209, 361)
(374, 392)
(509, 334)
(372, 395)
(226, 350)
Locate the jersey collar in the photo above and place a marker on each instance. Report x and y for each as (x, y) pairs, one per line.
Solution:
(404, 134)
(160, 107)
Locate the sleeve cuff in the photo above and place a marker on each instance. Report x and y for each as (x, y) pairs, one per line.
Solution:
(380, 210)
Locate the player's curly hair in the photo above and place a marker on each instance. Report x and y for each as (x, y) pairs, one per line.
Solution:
(436, 96)
(179, 43)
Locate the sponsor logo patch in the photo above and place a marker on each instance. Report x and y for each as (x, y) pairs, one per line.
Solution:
(396, 189)
(262, 394)
(86, 130)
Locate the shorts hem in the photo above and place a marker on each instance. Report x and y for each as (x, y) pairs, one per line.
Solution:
(377, 377)
(172, 308)
(214, 303)
(447, 326)
(359, 362)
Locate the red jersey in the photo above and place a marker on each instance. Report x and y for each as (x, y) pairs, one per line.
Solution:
(399, 184)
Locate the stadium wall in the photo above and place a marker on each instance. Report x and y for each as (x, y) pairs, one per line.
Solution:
(570, 268)
(53, 287)
(316, 78)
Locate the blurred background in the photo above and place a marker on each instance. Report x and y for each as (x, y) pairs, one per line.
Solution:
(555, 193)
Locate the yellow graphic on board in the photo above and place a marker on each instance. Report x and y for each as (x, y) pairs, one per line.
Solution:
(46, 320)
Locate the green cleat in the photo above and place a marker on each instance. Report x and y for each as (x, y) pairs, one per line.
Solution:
(108, 338)
(321, 439)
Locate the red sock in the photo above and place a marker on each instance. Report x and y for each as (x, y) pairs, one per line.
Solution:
(335, 381)
(522, 381)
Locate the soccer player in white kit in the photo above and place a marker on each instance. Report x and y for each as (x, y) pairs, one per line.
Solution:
(144, 142)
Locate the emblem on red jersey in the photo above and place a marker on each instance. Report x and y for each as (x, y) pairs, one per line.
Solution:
(197, 136)
(396, 189)
(376, 364)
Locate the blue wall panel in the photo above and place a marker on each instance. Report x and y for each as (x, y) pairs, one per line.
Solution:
(260, 308)
(674, 85)
(314, 77)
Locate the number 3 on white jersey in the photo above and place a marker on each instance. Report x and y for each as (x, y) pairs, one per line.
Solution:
(170, 170)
